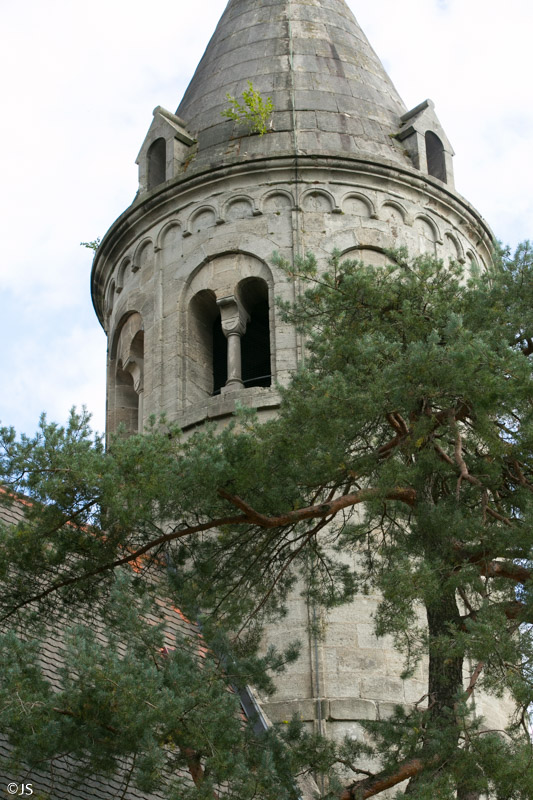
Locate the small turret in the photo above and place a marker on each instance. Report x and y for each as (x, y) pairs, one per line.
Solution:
(165, 151)
(427, 144)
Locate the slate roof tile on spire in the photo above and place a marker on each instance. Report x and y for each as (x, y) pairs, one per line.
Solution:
(331, 93)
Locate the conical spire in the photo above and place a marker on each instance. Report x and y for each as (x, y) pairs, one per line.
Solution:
(330, 91)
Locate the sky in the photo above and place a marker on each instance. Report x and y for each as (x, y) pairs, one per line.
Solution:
(79, 82)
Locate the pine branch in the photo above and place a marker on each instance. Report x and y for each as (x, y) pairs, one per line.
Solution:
(326, 509)
(503, 569)
(513, 609)
(369, 787)
(474, 678)
(251, 516)
(119, 562)
(490, 567)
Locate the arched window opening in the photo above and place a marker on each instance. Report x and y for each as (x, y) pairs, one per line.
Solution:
(255, 343)
(209, 368)
(435, 156)
(157, 163)
(126, 377)
(229, 339)
(131, 367)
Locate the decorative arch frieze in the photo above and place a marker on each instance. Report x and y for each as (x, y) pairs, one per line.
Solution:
(110, 298)
(143, 255)
(454, 247)
(368, 254)
(201, 218)
(319, 200)
(122, 273)
(169, 230)
(276, 201)
(428, 229)
(397, 209)
(472, 260)
(358, 204)
(239, 207)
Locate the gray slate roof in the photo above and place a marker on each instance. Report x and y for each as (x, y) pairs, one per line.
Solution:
(57, 782)
(331, 93)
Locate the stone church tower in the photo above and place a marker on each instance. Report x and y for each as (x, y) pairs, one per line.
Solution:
(184, 285)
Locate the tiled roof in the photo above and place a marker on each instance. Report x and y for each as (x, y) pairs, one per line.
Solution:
(57, 783)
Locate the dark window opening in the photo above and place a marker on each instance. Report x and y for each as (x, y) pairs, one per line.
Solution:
(255, 344)
(435, 156)
(220, 356)
(157, 158)
(209, 368)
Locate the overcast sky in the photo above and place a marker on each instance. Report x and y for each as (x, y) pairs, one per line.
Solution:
(80, 81)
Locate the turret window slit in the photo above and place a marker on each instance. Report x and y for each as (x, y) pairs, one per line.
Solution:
(435, 156)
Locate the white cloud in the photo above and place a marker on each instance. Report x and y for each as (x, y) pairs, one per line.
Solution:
(472, 59)
(80, 83)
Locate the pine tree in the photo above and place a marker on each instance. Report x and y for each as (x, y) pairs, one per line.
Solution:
(407, 440)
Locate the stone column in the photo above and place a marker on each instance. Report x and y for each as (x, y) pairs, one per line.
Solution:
(234, 318)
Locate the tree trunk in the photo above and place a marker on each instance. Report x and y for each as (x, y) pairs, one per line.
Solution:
(445, 667)
(445, 679)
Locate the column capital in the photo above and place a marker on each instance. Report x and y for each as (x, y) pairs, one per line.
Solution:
(233, 315)
(135, 368)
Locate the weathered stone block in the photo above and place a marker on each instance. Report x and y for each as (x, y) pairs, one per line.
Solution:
(352, 708)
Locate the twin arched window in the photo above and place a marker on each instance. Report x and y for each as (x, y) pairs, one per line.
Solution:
(231, 338)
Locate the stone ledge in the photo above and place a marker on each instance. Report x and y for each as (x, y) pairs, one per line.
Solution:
(387, 710)
(339, 709)
(352, 708)
(224, 405)
(281, 711)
